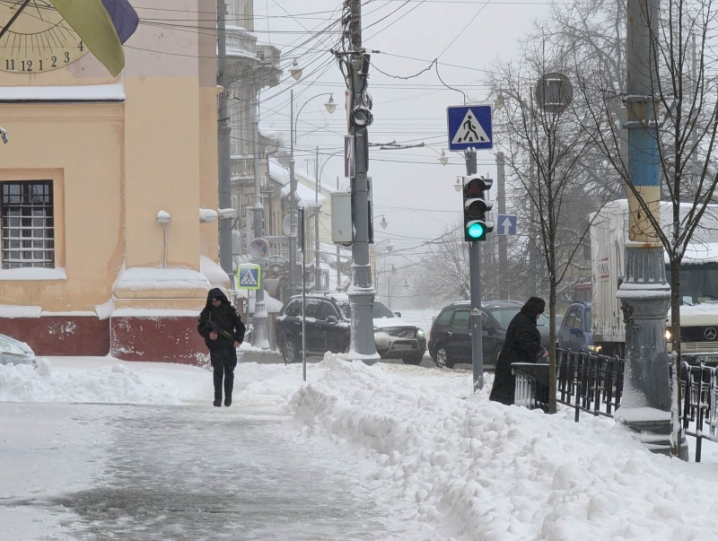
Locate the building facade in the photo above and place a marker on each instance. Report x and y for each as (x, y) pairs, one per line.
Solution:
(102, 182)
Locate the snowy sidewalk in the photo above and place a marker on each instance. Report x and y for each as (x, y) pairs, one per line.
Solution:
(387, 452)
(181, 473)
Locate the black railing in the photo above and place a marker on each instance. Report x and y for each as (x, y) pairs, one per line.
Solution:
(587, 382)
(594, 384)
(700, 404)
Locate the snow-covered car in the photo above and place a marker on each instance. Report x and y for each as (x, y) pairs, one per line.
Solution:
(15, 352)
(328, 322)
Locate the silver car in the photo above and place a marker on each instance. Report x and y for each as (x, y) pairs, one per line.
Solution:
(15, 352)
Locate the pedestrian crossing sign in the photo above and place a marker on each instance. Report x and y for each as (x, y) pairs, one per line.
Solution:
(469, 127)
(249, 276)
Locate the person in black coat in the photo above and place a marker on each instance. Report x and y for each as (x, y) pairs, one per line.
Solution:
(522, 345)
(223, 331)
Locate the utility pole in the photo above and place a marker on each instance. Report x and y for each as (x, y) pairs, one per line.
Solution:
(292, 204)
(361, 297)
(339, 273)
(317, 270)
(501, 200)
(224, 131)
(259, 318)
(644, 294)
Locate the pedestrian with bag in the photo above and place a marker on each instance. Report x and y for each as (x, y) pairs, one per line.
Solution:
(223, 331)
(522, 345)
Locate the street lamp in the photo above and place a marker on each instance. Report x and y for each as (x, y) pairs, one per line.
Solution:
(331, 107)
(296, 71)
(387, 249)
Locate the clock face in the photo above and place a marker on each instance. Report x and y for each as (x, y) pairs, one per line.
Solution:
(38, 39)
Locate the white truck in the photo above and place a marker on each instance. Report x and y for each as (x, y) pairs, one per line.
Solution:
(699, 282)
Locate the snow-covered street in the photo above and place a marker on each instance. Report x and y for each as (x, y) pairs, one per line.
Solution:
(94, 449)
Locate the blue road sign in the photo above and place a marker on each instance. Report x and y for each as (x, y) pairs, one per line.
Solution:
(506, 224)
(249, 276)
(469, 127)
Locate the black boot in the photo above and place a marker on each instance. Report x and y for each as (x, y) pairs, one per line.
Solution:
(217, 403)
(228, 401)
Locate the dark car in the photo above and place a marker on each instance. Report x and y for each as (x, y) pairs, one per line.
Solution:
(575, 331)
(328, 324)
(450, 337)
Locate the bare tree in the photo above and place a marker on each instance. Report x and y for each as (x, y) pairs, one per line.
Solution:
(546, 153)
(684, 105)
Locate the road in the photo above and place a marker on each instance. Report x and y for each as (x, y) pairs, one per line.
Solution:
(183, 473)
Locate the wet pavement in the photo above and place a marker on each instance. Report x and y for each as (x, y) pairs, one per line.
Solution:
(200, 473)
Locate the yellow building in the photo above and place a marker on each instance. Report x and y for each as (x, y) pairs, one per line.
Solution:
(93, 167)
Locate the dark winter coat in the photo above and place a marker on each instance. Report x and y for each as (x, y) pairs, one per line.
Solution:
(223, 320)
(522, 345)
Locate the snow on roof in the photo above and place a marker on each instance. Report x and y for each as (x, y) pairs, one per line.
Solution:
(278, 172)
(700, 253)
(157, 278)
(305, 195)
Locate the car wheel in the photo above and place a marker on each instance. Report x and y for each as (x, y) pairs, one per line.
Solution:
(290, 351)
(414, 359)
(442, 358)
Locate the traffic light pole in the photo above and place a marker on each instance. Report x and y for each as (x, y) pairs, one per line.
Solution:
(477, 353)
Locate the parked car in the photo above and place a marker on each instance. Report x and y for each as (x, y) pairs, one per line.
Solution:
(575, 331)
(328, 324)
(15, 352)
(450, 337)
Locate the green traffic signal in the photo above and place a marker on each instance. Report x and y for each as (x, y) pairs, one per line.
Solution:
(475, 230)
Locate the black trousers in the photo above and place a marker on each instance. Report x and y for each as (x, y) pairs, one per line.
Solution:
(224, 361)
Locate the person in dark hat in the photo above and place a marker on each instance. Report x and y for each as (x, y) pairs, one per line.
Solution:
(223, 332)
(522, 345)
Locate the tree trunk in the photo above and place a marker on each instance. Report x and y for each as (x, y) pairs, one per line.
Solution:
(675, 359)
(552, 348)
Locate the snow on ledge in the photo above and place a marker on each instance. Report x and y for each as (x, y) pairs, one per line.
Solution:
(139, 278)
(628, 415)
(33, 273)
(153, 313)
(110, 92)
(12, 312)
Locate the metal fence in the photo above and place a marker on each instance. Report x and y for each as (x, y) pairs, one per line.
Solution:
(700, 404)
(594, 384)
(585, 382)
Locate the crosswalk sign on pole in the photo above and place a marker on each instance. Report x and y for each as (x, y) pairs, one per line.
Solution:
(469, 127)
(249, 276)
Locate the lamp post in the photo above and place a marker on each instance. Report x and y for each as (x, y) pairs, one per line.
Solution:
(296, 73)
(387, 249)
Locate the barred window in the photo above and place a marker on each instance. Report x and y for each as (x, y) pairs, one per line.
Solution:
(27, 224)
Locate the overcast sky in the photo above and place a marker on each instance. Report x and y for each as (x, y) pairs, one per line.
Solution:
(411, 188)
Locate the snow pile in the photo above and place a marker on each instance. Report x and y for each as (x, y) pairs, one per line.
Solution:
(499, 472)
(115, 384)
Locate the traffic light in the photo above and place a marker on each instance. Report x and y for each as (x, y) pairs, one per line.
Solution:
(476, 207)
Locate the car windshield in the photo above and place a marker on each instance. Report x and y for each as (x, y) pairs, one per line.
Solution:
(378, 311)
(505, 315)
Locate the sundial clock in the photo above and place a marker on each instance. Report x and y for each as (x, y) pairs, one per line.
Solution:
(35, 38)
